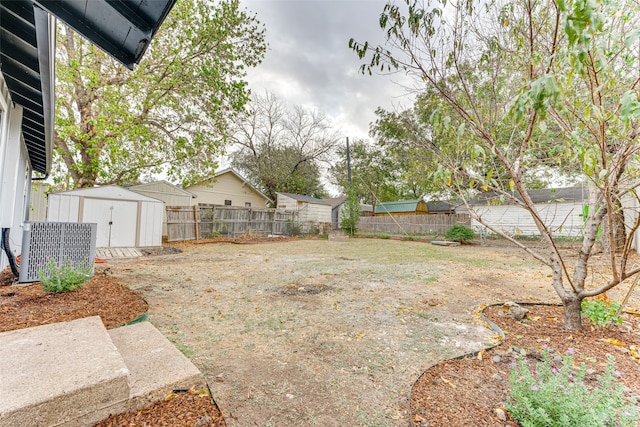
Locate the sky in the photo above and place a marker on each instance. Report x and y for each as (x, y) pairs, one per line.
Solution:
(309, 63)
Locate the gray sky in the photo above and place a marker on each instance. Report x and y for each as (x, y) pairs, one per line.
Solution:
(309, 63)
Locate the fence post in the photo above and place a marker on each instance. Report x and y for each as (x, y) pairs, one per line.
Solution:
(197, 221)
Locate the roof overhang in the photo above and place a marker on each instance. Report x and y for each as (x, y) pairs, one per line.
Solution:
(122, 28)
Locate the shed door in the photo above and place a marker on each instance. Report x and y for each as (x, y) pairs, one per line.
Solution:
(116, 221)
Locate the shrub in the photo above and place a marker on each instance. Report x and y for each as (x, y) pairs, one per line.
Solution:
(64, 278)
(459, 233)
(601, 313)
(556, 397)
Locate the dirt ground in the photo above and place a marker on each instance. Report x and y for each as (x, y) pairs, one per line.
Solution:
(327, 333)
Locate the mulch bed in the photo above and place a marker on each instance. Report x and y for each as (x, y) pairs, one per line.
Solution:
(103, 295)
(467, 392)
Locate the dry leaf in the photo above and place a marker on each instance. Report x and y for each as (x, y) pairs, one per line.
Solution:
(480, 354)
(446, 381)
(613, 342)
(360, 336)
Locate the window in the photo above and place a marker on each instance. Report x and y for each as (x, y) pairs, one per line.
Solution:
(247, 204)
(227, 202)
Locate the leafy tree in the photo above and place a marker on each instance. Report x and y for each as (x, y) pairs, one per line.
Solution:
(281, 149)
(509, 77)
(373, 173)
(350, 212)
(171, 114)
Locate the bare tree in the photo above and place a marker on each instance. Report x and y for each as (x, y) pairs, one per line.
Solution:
(282, 149)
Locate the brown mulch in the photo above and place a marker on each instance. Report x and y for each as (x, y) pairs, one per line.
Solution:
(103, 295)
(468, 391)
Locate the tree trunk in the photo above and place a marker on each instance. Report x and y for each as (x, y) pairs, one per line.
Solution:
(572, 313)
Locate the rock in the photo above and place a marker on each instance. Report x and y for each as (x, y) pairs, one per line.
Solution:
(518, 312)
(501, 414)
(497, 359)
(515, 349)
(424, 424)
(557, 359)
(497, 377)
(204, 421)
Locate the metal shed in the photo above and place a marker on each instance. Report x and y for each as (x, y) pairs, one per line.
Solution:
(124, 218)
(404, 207)
(170, 194)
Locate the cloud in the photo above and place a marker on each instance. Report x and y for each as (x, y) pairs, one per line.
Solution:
(309, 62)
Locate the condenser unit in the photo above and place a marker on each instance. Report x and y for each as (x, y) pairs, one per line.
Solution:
(58, 241)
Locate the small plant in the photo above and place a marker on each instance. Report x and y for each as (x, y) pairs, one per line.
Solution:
(64, 278)
(555, 397)
(459, 233)
(601, 313)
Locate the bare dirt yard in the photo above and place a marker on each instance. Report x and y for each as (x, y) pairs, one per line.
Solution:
(327, 333)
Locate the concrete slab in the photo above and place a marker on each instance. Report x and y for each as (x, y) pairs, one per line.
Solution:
(156, 367)
(53, 374)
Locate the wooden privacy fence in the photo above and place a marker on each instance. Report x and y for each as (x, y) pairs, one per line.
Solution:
(413, 224)
(204, 220)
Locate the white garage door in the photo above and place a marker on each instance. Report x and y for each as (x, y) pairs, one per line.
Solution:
(116, 221)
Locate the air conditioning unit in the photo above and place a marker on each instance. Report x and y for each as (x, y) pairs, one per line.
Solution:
(61, 241)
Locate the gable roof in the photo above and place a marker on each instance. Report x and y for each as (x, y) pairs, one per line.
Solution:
(336, 201)
(123, 29)
(306, 199)
(240, 177)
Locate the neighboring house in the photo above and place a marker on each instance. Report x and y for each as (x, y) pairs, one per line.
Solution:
(405, 207)
(561, 208)
(310, 209)
(229, 188)
(27, 102)
(337, 206)
(125, 219)
(170, 194)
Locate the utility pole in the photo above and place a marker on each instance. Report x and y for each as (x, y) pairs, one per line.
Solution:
(348, 163)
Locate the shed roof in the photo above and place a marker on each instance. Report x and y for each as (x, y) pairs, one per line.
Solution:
(122, 28)
(336, 201)
(174, 189)
(400, 206)
(108, 192)
(307, 199)
(545, 195)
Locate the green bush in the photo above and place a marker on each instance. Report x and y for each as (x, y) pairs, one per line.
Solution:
(459, 233)
(601, 313)
(64, 278)
(559, 397)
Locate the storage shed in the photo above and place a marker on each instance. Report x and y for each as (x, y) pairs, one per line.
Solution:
(404, 207)
(170, 194)
(309, 208)
(124, 218)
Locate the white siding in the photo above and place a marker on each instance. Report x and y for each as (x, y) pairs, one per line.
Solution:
(15, 173)
(307, 212)
(63, 208)
(152, 214)
(565, 219)
(38, 201)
